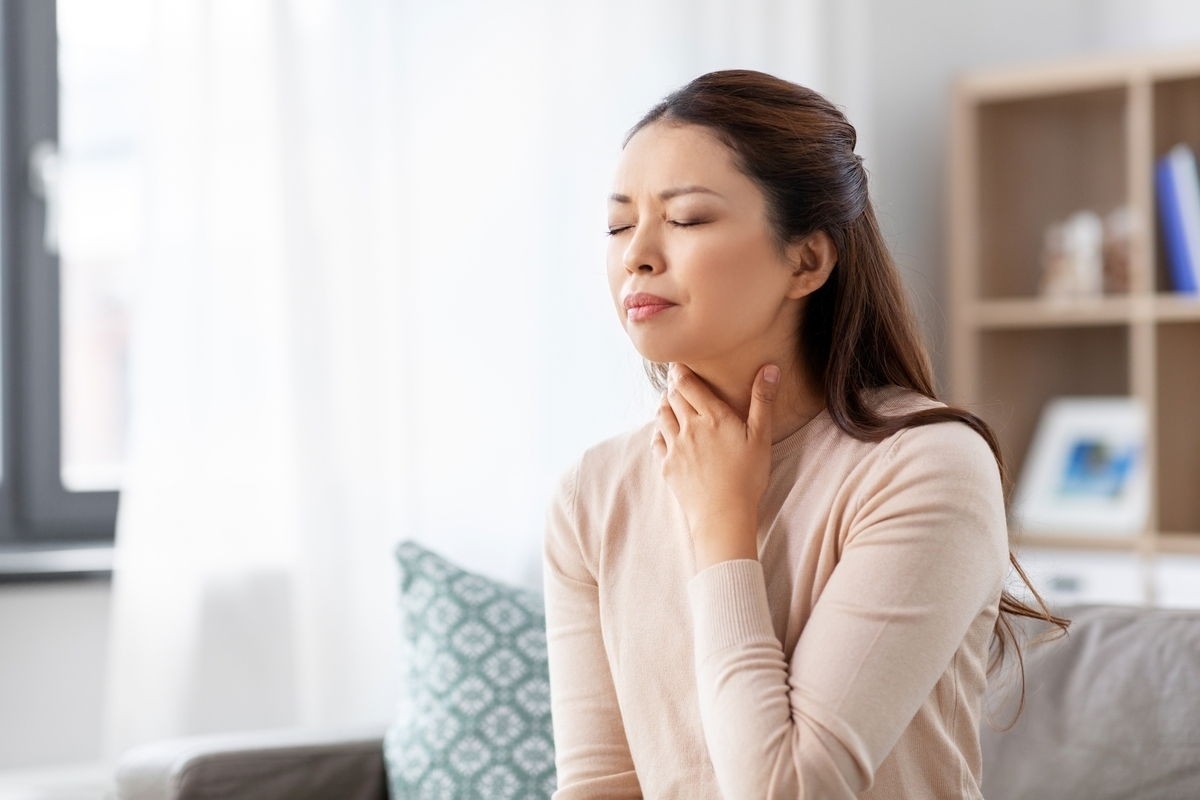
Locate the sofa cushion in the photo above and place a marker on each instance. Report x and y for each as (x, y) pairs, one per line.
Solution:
(474, 718)
(1111, 710)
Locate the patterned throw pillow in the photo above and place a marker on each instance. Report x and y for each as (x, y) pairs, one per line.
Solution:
(474, 718)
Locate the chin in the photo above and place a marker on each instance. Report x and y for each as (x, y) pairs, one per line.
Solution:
(663, 355)
(664, 346)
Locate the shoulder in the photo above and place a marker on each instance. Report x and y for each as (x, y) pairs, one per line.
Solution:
(948, 437)
(610, 468)
(955, 441)
(945, 467)
(892, 400)
(600, 481)
(943, 470)
(621, 449)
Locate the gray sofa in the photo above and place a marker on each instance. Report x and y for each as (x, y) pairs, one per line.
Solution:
(1111, 711)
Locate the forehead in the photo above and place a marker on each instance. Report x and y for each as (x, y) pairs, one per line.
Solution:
(663, 155)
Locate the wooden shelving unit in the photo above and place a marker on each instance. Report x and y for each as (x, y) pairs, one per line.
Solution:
(1030, 146)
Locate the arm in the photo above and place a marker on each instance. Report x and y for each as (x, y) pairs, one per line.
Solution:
(927, 549)
(591, 752)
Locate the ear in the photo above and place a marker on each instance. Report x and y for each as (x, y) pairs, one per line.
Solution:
(813, 257)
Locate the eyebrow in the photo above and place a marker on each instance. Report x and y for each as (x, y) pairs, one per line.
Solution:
(667, 194)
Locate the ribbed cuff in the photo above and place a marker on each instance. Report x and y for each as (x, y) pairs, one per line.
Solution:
(729, 605)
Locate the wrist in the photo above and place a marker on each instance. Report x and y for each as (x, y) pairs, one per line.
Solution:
(706, 558)
(725, 538)
(728, 523)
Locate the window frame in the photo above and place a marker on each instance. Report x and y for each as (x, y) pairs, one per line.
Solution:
(37, 513)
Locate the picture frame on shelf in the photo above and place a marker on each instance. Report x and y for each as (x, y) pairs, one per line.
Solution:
(1085, 473)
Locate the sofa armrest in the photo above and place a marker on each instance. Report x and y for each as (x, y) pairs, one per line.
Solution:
(1110, 709)
(263, 765)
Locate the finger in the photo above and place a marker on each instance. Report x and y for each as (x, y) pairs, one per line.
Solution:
(658, 445)
(696, 393)
(668, 421)
(762, 397)
(680, 407)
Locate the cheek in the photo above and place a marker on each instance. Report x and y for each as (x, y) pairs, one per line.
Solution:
(734, 295)
(616, 281)
(719, 276)
(616, 275)
(613, 263)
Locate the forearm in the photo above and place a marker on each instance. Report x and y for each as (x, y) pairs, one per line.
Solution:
(727, 537)
(591, 753)
(758, 744)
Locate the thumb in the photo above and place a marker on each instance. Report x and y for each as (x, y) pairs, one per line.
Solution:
(762, 397)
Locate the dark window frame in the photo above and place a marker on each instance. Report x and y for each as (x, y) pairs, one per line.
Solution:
(38, 515)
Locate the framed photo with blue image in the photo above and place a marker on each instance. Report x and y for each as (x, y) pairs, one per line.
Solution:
(1085, 473)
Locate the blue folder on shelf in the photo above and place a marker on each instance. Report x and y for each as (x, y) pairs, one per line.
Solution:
(1178, 188)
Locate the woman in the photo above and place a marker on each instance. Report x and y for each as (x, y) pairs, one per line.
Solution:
(788, 582)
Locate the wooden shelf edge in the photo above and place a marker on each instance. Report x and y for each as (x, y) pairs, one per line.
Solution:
(1169, 307)
(1078, 542)
(1165, 543)
(1097, 73)
(1178, 543)
(1039, 312)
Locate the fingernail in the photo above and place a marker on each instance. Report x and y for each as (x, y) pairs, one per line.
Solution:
(771, 374)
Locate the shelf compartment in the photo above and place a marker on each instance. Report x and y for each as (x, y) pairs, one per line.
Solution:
(1027, 368)
(1177, 438)
(1176, 120)
(1176, 113)
(1042, 159)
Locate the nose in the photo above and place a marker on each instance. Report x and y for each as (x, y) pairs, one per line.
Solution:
(641, 255)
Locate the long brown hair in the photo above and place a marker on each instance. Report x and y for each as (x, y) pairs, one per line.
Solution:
(799, 149)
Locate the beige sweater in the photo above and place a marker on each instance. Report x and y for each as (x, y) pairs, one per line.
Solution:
(846, 661)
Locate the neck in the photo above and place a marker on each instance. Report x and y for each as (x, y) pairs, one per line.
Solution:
(797, 402)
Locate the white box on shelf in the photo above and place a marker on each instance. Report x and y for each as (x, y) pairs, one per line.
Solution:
(1065, 577)
(1177, 581)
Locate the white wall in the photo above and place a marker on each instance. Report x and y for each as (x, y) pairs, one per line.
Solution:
(889, 64)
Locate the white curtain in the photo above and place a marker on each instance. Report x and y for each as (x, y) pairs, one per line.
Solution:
(372, 307)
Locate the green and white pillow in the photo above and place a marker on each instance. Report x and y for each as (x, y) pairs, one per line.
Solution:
(474, 718)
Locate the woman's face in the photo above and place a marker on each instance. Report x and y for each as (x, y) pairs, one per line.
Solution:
(734, 298)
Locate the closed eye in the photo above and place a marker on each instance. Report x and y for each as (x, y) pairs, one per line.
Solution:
(615, 231)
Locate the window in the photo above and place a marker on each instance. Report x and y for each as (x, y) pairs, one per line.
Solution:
(70, 220)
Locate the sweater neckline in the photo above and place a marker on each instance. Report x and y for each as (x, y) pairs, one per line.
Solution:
(798, 438)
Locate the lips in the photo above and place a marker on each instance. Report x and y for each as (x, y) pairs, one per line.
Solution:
(639, 313)
(641, 306)
(645, 299)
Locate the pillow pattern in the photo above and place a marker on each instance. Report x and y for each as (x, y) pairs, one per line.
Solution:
(474, 718)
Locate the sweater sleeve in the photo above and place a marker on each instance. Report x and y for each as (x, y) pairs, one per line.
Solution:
(926, 551)
(591, 752)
